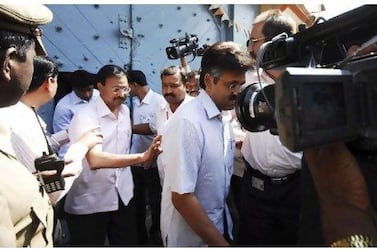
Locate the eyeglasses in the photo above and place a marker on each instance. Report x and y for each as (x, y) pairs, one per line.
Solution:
(117, 89)
(254, 41)
(234, 86)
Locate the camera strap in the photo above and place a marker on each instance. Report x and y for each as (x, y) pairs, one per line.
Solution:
(9, 156)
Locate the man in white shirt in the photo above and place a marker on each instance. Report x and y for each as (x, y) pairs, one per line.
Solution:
(270, 198)
(145, 103)
(198, 149)
(29, 142)
(83, 92)
(100, 203)
(174, 92)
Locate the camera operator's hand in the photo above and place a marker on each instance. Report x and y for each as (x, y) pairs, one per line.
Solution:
(344, 199)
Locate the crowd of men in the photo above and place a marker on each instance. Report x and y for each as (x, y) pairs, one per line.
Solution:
(172, 153)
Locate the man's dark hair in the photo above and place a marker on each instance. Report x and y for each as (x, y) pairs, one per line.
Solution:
(109, 71)
(224, 56)
(192, 75)
(172, 70)
(138, 77)
(275, 22)
(44, 68)
(21, 42)
(82, 78)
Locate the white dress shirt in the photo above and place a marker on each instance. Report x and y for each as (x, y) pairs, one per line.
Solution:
(27, 135)
(264, 151)
(163, 115)
(144, 111)
(29, 142)
(97, 190)
(198, 151)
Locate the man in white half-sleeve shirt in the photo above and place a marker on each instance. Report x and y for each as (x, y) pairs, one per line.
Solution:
(198, 148)
(100, 203)
(270, 193)
(174, 92)
(145, 103)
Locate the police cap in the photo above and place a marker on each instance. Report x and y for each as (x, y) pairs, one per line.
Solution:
(25, 19)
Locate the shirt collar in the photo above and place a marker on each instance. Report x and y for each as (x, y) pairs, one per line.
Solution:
(209, 106)
(103, 110)
(165, 105)
(76, 99)
(148, 98)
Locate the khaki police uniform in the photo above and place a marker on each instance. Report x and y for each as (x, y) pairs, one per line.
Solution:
(26, 215)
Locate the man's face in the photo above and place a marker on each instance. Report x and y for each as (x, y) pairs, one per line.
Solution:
(223, 89)
(84, 93)
(115, 91)
(256, 39)
(173, 89)
(21, 74)
(192, 87)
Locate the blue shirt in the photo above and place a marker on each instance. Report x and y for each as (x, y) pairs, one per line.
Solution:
(198, 150)
(64, 111)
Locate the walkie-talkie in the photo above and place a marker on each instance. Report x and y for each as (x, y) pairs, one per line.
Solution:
(49, 161)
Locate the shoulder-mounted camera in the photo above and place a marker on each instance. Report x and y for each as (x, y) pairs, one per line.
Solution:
(184, 46)
(328, 95)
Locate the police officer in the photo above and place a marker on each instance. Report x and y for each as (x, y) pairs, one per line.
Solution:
(26, 218)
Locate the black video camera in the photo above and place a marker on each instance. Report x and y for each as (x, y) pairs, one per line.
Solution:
(181, 47)
(334, 101)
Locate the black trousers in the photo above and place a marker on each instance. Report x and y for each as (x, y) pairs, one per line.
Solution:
(147, 191)
(118, 226)
(269, 217)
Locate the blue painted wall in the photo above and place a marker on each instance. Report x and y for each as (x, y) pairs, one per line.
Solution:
(88, 36)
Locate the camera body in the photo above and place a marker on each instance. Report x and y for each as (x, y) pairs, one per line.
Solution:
(184, 46)
(51, 162)
(316, 107)
(322, 99)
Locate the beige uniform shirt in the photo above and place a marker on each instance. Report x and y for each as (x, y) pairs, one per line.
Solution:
(26, 215)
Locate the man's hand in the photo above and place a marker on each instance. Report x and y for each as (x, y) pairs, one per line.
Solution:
(344, 199)
(153, 151)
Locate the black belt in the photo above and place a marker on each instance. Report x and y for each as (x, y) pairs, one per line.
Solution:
(271, 180)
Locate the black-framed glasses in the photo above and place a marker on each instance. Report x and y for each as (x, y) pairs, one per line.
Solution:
(117, 89)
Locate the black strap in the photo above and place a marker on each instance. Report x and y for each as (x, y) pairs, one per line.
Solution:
(9, 156)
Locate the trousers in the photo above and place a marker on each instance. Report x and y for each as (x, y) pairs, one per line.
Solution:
(269, 209)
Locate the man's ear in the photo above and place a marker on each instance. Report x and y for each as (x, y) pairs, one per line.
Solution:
(207, 80)
(50, 82)
(6, 67)
(99, 86)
